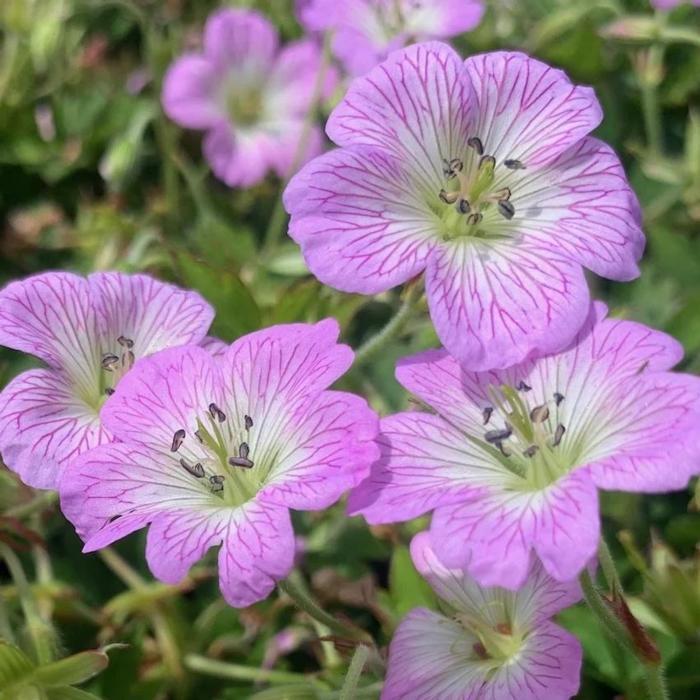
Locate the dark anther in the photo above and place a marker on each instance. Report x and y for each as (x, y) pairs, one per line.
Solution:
(198, 435)
(539, 414)
(241, 462)
(194, 469)
(244, 450)
(216, 412)
(506, 209)
(487, 160)
(487, 412)
(456, 165)
(475, 218)
(513, 164)
(475, 143)
(522, 386)
(125, 342)
(109, 391)
(463, 206)
(452, 167)
(217, 483)
(503, 195)
(531, 451)
(496, 436)
(504, 451)
(558, 435)
(109, 360)
(248, 422)
(178, 437)
(480, 651)
(558, 398)
(448, 197)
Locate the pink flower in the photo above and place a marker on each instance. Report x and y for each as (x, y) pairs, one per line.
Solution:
(250, 96)
(480, 174)
(89, 332)
(670, 4)
(365, 32)
(218, 450)
(511, 461)
(496, 645)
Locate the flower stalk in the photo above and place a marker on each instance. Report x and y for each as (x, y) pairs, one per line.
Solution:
(352, 679)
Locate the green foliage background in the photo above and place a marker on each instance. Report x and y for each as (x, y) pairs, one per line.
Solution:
(93, 177)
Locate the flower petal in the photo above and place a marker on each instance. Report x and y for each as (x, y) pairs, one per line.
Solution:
(154, 314)
(527, 110)
(493, 536)
(360, 230)
(190, 93)
(424, 463)
(240, 159)
(494, 304)
(327, 449)
(415, 106)
(44, 425)
(581, 206)
(258, 550)
(443, 17)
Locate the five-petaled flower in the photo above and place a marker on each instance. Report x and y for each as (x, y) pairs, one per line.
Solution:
(482, 175)
(365, 32)
(89, 332)
(250, 97)
(511, 460)
(495, 644)
(218, 450)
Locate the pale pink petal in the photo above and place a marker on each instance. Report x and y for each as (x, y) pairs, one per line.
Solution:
(581, 206)
(238, 158)
(327, 449)
(44, 425)
(494, 304)
(154, 314)
(416, 106)
(424, 463)
(285, 138)
(191, 93)
(360, 231)
(443, 17)
(215, 346)
(241, 41)
(494, 536)
(257, 551)
(527, 110)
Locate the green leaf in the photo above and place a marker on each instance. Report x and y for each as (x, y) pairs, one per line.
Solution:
(407, 588)
(15, 665)
(67, 693)
(73, 669)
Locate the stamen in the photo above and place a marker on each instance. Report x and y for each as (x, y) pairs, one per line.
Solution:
(241, 462)
(504, 628)
(217, 413)
(487, 412)
(513, 164)
(125, 342)
(505, 452)
(463, 206)
(109, 391)
(531, 451)
(558, 435)
(475, 143)
(217, 483)
(558, 398)
(178, 437)
(109, 360)
(522, 386)
(128, 359)
(248, 422)
(199, 437)
(194, 469)
(452, 167)
(539, 414)
(502, 195)
(456, 165)
(506, 209)
(487, 162)
(495, 436)
(244, 450)
(448, 197)
(475, 218)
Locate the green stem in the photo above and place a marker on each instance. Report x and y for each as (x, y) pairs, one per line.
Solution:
(352, 679)
(122, 569)
(395, 325)
(42, 500)
(607, 564)
(314, 610)
(279, 216)
(238, 672)
(656, 682)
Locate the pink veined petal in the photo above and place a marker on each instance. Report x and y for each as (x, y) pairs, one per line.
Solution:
(257, 551)
(215, 346)
(527, 110)
(443, 17)
(327, 449)
(360, 230)
(424, 463)
(416, 106)
(154, 314)
(238, 158)
(283, 138)
(51, 316)
(190, 93)
(115, 489)
(240, 41)
(164, 393)
(494, 303)
(581, 206)
(43, 425)
(494, 537)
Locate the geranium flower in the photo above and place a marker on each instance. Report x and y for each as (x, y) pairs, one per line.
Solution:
(480, 174)
(511, 461)
(365, 32)
(89, 332)
(670, 4)
(216, 451)
(495, 644)
(250, 96)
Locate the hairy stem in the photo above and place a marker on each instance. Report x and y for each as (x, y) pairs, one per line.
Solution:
(656, 682)
(352, 679)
